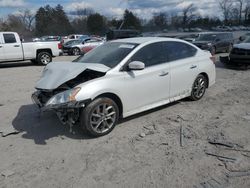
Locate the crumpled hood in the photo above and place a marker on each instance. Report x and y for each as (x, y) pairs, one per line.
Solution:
(57, 73)
(245, 46)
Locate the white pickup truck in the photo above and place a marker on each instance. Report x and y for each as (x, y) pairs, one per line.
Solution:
(13, 49)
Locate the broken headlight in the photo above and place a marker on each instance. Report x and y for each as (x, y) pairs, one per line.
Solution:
(64, 97)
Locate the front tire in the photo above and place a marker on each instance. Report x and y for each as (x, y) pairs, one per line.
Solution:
(75, 51)
(44, 58)
(99, 117)
(199, 87)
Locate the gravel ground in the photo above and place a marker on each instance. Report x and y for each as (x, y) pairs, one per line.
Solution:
(165, 147)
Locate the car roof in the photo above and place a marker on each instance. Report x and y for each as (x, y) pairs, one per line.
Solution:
(141, 40)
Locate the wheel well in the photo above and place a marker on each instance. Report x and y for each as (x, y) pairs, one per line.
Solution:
(116, 99)
(206, 76)
(43, 50)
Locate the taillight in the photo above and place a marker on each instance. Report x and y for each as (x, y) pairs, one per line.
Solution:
(59, 45)
(213, 59)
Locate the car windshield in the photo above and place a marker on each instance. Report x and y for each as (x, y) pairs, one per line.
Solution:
(83, 37)
(206, 37)
(109, 54)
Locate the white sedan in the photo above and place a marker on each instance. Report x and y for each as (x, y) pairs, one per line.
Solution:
(121, 78)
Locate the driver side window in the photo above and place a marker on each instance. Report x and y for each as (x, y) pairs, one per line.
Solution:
(152, 54)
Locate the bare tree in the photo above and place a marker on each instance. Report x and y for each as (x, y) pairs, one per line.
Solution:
(27, 18)
(226, 8)
(241, 3)
(246, 10)
(188, 14)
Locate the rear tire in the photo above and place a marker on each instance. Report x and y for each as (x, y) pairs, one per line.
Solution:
(199, 87)
(44, 58)
(99, 117)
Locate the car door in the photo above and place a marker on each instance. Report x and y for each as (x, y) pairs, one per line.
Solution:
(151, 85)
(12, 47)
(2, 56)
(184, 69)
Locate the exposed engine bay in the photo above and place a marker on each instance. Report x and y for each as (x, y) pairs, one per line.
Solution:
(45, 95)
(67, 114)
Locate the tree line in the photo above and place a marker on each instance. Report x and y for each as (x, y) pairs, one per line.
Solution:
(55, 21)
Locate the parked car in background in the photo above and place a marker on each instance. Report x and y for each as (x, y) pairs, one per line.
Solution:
(239, 55)
(12, 49)
(91, 44)
(75, 47)
(121, 78)
(73, 37)
(190, 37)
(215, 41)
(123, 33)
(50, 38)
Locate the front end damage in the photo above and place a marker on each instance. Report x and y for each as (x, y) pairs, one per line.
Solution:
(67, 112)
(61, 99)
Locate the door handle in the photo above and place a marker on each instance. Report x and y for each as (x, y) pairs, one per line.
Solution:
(193, 67)
(16, 46)
(1, 46)
(163, 74)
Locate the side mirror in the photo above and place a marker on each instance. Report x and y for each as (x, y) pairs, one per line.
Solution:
(217, 40)
(136, 65)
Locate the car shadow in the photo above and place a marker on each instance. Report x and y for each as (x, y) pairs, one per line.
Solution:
(40, 127)
(16, 64)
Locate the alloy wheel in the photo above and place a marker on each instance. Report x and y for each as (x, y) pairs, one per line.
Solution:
(103, 118)
(45, 59)
(199, 87)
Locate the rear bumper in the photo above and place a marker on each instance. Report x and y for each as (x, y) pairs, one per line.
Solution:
(239, 59)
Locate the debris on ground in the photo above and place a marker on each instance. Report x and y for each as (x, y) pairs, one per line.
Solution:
(142, 135)
(238, 174)
(213, 183)
(223, 143)
(247, 117)
(6, 131)
(180, 117)
(220, 156)
(181, 136)
(7, 173)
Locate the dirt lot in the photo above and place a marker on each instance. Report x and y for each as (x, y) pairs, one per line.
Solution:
(142, 151)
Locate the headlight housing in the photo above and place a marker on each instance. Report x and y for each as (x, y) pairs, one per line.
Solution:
(64, 97)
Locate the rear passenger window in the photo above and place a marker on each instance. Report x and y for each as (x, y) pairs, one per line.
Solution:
(179, 50)
(152, 54)
(9, 38)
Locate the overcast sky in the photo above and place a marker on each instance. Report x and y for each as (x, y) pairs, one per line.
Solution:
(115, 8)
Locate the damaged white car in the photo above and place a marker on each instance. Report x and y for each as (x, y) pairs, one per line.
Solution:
(121, 78)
